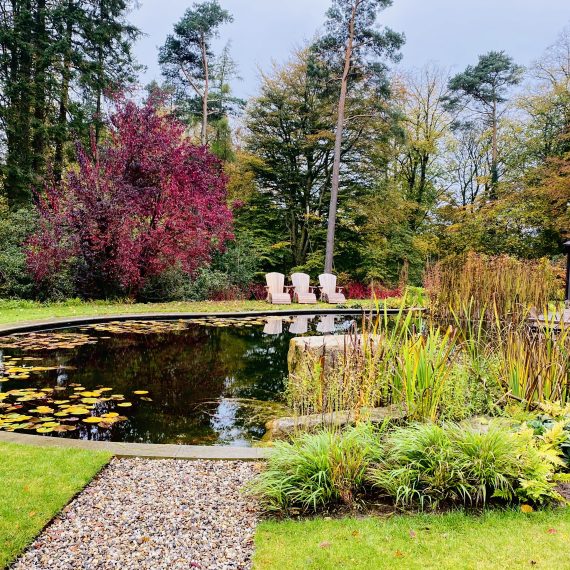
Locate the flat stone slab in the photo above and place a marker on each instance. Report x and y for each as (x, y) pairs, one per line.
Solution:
(286, 426)
(556, 319)
(147, 450)
(140, 514)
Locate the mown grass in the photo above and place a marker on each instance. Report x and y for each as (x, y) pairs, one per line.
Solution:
(17, 311)
(35, 483)
(494, 540)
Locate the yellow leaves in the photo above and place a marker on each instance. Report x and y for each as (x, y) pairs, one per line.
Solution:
(124, 405)
(92, 420)
(526, 509)
(140, 392)
(42, 410)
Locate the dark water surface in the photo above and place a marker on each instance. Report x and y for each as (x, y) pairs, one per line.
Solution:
(210, 381)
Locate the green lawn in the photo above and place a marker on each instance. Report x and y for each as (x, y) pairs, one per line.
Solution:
(16, 311)
(35, 483)
(495, 540)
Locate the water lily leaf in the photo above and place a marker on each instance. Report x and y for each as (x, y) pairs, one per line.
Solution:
(140, 392)
(124, 405)
(89, 400)
(92, 420)
(42, 410)
(44, 429)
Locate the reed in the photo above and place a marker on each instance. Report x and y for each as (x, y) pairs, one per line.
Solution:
(392, 361)
(490, 285)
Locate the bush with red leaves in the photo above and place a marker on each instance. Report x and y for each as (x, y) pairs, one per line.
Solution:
(144, 201)
(356, 290)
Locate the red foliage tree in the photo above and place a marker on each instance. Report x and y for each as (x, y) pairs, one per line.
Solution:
(145, 201)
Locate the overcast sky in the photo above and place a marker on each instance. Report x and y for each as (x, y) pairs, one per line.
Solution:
(449, 32)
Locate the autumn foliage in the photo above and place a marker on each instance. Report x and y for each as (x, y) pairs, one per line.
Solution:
(145, 201)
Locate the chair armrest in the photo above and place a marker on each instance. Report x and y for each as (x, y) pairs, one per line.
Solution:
(339, 289)
(289, 286)
(312, 288)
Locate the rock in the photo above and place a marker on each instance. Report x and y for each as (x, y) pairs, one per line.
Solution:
(328, 348)
(283, 427)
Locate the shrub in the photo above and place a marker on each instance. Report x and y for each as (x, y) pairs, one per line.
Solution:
(15, 228)
(427, 464)
(146, 201)
(317, 471)
(356, 290)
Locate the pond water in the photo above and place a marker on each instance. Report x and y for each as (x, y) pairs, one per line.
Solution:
(201, 381)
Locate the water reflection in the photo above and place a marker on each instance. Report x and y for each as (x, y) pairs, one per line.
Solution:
(300, 324)
(207, 384)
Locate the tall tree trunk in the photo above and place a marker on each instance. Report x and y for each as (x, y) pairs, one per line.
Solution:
(205, 95)
(20, 94)
(494, 154)
(61, 131)
(331, 228)
(40, 78)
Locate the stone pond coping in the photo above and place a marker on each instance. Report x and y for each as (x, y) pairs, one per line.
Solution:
(153, 450)
(146, 450)
(65, 322)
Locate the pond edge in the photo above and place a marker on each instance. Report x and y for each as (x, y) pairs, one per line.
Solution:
(155, 450)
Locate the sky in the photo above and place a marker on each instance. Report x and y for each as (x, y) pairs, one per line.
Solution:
(451, 33)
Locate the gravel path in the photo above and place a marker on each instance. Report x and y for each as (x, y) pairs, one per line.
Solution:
(153, 514)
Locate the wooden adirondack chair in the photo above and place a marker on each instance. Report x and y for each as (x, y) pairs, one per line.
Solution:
(277, 291)
(303, 292)
(330, 293)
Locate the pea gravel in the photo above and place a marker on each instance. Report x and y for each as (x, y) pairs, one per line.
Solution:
(153, 514)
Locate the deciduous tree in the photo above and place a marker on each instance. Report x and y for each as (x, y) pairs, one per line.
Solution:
(146, 201)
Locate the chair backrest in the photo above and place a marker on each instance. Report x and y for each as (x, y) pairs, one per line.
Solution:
(328, 283)
(301, 282)
(275, 282)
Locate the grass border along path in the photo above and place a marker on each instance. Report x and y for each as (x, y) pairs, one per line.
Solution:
(494, 540)
(35, 484)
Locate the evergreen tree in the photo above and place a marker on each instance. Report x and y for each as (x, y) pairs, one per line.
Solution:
(49, 50)
(486, 85)
(186, 57)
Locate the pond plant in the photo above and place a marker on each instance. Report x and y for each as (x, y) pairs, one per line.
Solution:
(485, 392)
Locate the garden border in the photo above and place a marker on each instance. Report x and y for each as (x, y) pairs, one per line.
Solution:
(154, 450)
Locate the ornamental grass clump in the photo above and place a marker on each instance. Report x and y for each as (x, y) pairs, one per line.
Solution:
(427, 465)
(317, 471)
